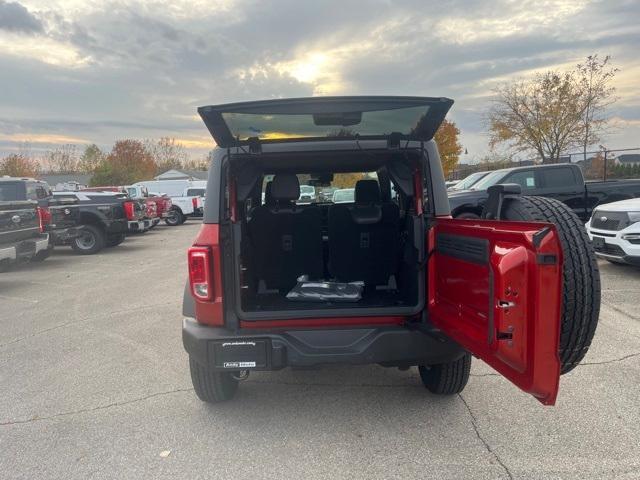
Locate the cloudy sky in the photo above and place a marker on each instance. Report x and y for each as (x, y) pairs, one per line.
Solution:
(84, 71)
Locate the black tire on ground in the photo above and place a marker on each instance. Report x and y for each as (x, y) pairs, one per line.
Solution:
(446, 378)
(91, 240)
(184, 219)
(468, 215)
(581, 278)
(211, 386)
(42, 255)
(174, 218)
(114, 240)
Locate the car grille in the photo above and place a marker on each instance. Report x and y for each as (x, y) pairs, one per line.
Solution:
(609, 249)
(609, 220)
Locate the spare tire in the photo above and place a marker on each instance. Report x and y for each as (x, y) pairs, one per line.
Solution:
(580, 276)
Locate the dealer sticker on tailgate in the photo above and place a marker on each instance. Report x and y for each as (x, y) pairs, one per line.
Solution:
(237, 354)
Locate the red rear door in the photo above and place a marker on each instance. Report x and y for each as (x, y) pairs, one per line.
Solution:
(496, 288)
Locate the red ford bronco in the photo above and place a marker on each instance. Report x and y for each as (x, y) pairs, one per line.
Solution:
(388, 278)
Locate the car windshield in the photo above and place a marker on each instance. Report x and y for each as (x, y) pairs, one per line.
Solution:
(490, 179)
(307, 189)
(467, 182)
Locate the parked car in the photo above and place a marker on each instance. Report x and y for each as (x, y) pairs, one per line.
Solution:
(104, 219)
(562, 181)
(307, 194)
(183, 207)
(344, 195)
(614, 230)
(163, 204)
(60, 217)
(172, 188)
(451, 183)
(393, 282)
(22, 229)
(326, 194)
(146, 210)
(468, 181)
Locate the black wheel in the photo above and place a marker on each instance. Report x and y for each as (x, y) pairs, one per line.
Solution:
(42, 256)
(90, 240)
(581, 278)
(184, 219)
(468, 215)
(174, 218)
(114, 240)
(211, 386)
(446, 378)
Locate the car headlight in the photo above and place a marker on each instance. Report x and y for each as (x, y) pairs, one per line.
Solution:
(634, 216)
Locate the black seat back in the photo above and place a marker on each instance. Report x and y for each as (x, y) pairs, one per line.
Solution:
(286, 240)
(364, 237)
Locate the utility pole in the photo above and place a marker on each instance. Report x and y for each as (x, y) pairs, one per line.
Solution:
(605, 165)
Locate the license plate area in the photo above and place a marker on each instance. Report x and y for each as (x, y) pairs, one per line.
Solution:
(598, 242)
(240, 354)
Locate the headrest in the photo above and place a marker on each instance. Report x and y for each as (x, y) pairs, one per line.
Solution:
(367, 191)
(285, 187)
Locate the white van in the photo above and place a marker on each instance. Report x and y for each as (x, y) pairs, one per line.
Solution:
(173, 188)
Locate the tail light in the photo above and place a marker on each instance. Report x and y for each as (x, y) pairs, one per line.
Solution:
(130, 210)
(194, 201)
(44, 218)
(200, 268)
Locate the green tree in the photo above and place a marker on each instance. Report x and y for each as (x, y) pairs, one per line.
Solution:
(90, 159)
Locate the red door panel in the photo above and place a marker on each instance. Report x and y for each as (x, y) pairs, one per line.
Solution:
(496, 288)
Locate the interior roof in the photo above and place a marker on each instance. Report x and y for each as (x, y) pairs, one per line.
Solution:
(319, 162)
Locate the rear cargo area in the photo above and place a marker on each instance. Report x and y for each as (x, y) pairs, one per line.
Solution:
(355, 247)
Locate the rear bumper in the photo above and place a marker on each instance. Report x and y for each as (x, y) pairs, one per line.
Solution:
(389, 346)
(25, 249)
(138, 225)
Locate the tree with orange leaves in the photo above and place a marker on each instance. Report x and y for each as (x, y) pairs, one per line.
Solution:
(18, 165)
(128, 162)
(448, 145)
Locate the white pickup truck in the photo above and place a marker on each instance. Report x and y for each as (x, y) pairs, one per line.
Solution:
(187, 198)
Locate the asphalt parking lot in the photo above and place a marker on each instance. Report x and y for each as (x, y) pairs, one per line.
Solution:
(94, 383)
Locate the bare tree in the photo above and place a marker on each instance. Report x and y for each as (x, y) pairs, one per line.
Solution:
(63, 159)
(593, 79)
(167, 153)
(552, 112)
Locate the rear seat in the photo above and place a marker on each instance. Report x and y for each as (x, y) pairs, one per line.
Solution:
(364, 238)
(286, 240)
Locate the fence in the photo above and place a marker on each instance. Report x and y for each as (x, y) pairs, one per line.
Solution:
(604, 164)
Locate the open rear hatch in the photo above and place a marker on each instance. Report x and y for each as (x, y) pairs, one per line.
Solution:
(325, 118)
